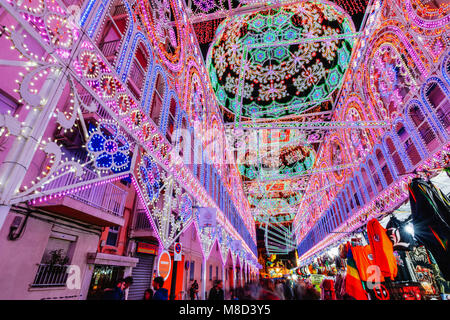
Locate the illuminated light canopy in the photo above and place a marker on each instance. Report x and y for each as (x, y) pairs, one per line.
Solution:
(262, 62)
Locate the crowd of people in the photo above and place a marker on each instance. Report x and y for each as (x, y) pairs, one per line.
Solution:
(280, 289)
(264, 289)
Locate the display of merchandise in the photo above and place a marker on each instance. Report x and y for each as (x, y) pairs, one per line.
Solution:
(430, 210)
(382, 249)
(401, 239)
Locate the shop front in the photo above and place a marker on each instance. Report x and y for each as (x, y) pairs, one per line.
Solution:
(400, 255)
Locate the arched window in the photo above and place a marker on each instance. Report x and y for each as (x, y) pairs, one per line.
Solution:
(355, 193)
(198, 159)
(349, 194)
(210, 179)
(346, 206)
(336, 210)
(192, 151)
(335, 218)
(408, 144)
(359, 187)
(171, 120)
(184, 143)
(366, 182)
(384, 167)
(393, 152)
(375, 177)
(440, 103)
(157, 99)
(446, 69)
(114, 29)
(420, 121)
(138, 70)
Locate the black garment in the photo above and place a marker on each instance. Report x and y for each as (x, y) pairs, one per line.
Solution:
(114, 294)
(288, 292)
(431, 218)
(215, 294)
(151, 294)
(402, 240)
(403, 273)
(161, 294)
(193, 290)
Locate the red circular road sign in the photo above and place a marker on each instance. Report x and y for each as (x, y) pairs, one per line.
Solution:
(164, 265)
(178, 247)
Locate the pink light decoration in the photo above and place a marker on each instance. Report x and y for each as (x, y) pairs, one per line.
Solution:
(141, 198)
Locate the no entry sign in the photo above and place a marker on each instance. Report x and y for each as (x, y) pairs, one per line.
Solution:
(164, 265)
(177, 253)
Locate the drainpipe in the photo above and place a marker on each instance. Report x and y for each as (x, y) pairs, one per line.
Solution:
(223, 276)
(234, 276)
(202, 296)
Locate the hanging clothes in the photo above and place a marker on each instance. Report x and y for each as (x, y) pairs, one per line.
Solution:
(382, 249)
(430, 210)
(339, 286)
(327, 291)
(353, 284)
(401, 239)
(403, 273)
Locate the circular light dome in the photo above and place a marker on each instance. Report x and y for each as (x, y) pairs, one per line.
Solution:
(280, 62)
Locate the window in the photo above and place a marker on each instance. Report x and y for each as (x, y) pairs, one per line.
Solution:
(192, 271)
(138, 71)
(376, 178)
(157, 99)
(7, 103)
(408, 144)
(384, 167)
(113, 235)
(171, 120)
(182, 141)
(440, 103)
(52, 271)
(366, 182)
(423, 127)
(113, 31)
(359, 186)
(398, 163)
(355, 194)
(350, 198)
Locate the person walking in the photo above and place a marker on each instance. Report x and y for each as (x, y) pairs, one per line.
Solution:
(216, 292)
(193, 291)
(160, 292)
(118, 292)
(148, 294)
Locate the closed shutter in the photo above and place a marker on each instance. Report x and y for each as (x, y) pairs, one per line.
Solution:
(142, 276)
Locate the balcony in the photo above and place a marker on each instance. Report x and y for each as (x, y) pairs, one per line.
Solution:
(136, 79)
(87, 99)
(120, 10)
(100, 204)
(110, 50)
(50, 276)
(142, 228)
